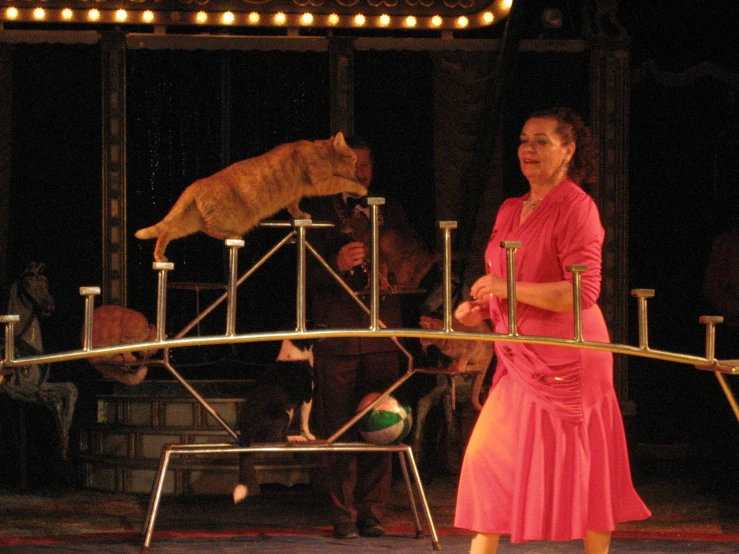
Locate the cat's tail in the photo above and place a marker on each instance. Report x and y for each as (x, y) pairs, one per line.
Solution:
(183, 219)
(149, 232)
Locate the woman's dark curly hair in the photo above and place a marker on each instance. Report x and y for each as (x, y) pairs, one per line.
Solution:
(570, 126)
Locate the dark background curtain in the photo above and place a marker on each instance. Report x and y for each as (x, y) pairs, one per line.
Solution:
(173, 138)
(683, 192)
(393, 110)
(54, 209)
(55, 196)
(177, 133)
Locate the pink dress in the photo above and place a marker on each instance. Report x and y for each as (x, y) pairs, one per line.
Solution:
(548, 458)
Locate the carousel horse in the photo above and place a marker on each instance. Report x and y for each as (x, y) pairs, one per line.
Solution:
(29, 298)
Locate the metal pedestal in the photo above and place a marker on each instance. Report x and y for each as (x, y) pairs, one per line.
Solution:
(404, 452)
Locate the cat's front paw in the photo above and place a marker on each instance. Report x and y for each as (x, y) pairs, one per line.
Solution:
(296, 438)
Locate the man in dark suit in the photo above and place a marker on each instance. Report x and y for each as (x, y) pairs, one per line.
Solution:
(348, 368)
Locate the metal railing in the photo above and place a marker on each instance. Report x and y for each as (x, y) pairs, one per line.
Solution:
(376, 328)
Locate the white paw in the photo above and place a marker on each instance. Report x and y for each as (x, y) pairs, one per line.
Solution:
(307, 435)
(240, 492)
(296, 438)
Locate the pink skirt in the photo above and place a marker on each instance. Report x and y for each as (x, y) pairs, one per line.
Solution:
(533, 476)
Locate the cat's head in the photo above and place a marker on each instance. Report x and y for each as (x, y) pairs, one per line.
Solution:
(339, 144)
(343, 162)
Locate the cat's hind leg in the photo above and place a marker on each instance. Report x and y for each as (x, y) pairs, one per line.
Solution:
(177, 225)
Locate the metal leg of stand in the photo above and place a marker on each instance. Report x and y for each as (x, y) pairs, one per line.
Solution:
(422, 496)
(403, 450)
(156, 496)
(409, 489)
(202, 401)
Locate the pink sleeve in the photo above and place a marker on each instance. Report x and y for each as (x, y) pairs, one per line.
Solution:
(580, 242)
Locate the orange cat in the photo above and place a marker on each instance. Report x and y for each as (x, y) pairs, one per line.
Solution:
(114, 325)
(234, 200)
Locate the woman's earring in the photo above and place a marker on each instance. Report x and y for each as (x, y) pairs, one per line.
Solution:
(565, 164)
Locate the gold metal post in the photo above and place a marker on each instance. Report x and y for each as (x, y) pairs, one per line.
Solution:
(511, 246)
(446, 227)
(374, 204)
(576, 271)
(9, 321)
(162, 268)
(300, 307)
(233, 246)
(89, 293)
(642, 295)
(710, 321)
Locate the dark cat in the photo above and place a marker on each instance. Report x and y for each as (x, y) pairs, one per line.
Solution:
(269, 408)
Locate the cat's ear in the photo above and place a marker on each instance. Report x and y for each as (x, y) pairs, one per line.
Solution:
(339, 140)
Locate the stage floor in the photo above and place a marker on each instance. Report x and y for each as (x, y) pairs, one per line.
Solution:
(690, 516)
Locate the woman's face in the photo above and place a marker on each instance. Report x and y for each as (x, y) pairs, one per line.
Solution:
(541, 152)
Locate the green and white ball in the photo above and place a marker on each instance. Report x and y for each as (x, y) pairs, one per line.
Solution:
(387, 423)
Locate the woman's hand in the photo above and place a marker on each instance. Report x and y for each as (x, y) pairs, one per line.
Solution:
(350, 255)
(472, 312)
(555, 296)
(488, 285)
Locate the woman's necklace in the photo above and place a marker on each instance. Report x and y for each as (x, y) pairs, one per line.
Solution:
(529, 204)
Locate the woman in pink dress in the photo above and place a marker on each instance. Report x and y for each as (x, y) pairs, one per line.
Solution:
(547, 459)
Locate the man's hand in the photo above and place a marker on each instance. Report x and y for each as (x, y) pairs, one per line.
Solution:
(350, 255)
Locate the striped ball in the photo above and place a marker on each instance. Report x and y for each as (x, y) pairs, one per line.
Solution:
(387, 423)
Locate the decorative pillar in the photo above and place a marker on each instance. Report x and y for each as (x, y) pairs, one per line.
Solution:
(6, 143)
(341, 55)
(114, 289)
(609, 117)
